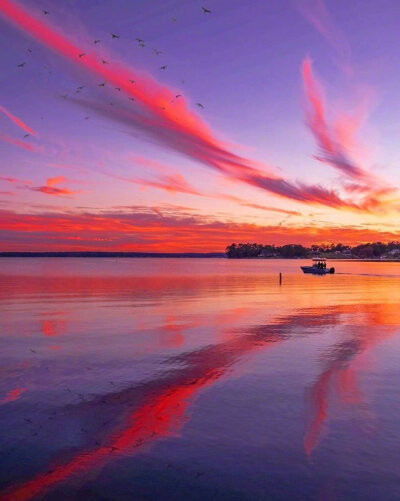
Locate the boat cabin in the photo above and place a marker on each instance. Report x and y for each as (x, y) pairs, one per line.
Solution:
(319, 263)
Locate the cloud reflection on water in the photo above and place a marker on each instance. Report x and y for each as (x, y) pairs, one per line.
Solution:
(201, 329)
(164, 413)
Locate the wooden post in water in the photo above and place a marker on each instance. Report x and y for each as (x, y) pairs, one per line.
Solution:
(280, 278)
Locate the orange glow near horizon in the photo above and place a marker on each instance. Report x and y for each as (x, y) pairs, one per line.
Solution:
(152, 230)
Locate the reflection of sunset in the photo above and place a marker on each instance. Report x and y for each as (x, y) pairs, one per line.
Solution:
(12, 395)
(54, 324)
(204, 328)
(368, 326)
(163, 415)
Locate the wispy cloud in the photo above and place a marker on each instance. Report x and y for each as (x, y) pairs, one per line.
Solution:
(170, 121)
(338, 146)
(51, 189)
(268, 208)
(14, 180)
(18, 143)
(17, 120)
(334, 142)
(316, 12)
(172, 182)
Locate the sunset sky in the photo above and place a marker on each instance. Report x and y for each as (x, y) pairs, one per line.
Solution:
(276, 122)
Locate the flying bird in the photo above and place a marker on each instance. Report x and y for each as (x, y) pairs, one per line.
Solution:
(158, 52)
(142, 44)
(21, 65)
(114, 36)
(199, 105)
(139, 40)
(163, 67)
(132, 98)
(174, 19)
(132, 81)
(80, 87)
(29, 50)
(97, 41)
(178, 95)
(46, 12)
(118, 88)
(87, 118)
(104, 61)
(102, 84)
(81, 55)
(26, 135)
(206, 11)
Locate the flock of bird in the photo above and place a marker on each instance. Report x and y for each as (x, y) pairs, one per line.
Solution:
(142, 44)
(115, 36)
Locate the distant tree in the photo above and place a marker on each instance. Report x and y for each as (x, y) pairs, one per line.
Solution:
(364, 251)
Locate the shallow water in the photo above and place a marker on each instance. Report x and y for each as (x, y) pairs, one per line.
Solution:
(170, 379)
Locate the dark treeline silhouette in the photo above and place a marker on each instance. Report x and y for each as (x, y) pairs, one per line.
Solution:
(374, 250)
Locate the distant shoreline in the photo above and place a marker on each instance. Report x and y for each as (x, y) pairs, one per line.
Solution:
(92, 254)
(183, 255)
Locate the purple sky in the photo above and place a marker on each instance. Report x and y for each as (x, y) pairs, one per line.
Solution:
(98, 154)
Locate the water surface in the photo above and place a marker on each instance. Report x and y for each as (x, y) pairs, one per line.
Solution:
(170, 379)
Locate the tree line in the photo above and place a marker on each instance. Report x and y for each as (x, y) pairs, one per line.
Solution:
(373, 250)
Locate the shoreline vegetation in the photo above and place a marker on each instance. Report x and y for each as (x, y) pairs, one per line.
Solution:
(376, 251)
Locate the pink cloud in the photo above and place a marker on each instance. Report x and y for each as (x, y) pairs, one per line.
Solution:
(18, 143)
(170, 121)
(51, 189)
(316, 12)
(17, 120)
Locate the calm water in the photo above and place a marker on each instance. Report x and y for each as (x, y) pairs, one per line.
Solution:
(195, 379)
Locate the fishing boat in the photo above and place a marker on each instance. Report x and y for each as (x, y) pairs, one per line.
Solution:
(318, 267)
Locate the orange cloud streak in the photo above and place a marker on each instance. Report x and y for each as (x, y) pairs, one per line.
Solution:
(17, 120)
(334, 144)
(51, 189)
(17, 142)
(175, 125)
